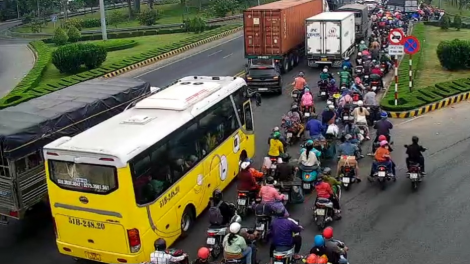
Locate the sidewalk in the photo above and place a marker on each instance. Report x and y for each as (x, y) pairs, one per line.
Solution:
(16, 60)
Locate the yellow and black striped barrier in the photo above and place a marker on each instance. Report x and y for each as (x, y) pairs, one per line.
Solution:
(431, 107)
(170, 54)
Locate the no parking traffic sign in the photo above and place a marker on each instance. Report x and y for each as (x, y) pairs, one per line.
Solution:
(411, 45)
(396, 37)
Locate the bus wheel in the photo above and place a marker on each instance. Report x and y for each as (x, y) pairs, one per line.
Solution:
(186, 221)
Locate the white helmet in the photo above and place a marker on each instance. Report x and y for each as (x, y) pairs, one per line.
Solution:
(359, 54)
(329, 102)
(275, 129)
(363, 42)
(331, 106)
(325, 70)
(346, 58)
(245, 165)
(235, 228)
(360, 103)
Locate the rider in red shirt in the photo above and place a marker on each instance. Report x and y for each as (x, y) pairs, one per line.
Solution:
(376, 70)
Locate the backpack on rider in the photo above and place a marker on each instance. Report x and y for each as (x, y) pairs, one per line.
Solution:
(215, 215)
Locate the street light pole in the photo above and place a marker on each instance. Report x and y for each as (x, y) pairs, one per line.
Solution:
(104, 34)
(18, 9)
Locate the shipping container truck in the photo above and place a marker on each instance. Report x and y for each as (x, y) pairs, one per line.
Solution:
(330, 38)
(275, 33)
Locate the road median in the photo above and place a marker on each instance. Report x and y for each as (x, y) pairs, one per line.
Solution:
(44, 78)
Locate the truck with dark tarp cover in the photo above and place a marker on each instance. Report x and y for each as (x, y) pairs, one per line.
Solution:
(27, 127)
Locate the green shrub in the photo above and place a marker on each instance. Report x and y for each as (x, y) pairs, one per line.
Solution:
(73, 22)
(116, 44)
(74, 34)
(36, 26)
(445, 22)
(454, 55)
(148, 17)
(457, 22)
(91, 23)
(196, 24)
(67, 59)
(92, 55)
(60, 37)
(115, 18)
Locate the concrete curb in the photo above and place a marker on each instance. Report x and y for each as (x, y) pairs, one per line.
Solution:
(170, 54)
(33, 51)
(431, 107)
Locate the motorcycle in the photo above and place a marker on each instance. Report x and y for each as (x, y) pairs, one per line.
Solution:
(307, 112)
(383, 176)
(362, 129)
(215, 236)
(346, 115)
(296, 95)
(414, 174)
(359, 62)
(323, 211)
(359, 70)
(384, 67)
(374, 114)
(366, 80)
(356, 97)
(262, 223)
(273, 167)
(347, 176)
(291, 135)
(323, 87)
(308, 178)
(243, 202)
(285, 255)
(376, 86)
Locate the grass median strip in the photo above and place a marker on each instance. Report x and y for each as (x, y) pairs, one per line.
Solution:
(431, 82)
(45, 78)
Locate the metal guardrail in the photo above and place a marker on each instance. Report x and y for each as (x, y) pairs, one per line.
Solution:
(117, 30)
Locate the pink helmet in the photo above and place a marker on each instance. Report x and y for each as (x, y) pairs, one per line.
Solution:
(383, 143)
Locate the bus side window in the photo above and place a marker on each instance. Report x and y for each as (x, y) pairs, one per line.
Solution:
(183, 151)
(248, 116)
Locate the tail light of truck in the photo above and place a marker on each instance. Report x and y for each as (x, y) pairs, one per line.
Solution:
(134, 240)
(55, 227)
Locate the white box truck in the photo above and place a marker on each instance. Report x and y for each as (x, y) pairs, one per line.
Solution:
(330, 38)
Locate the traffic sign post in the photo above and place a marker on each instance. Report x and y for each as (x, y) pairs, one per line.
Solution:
(411, 46)
(396, 48)
(54, 19)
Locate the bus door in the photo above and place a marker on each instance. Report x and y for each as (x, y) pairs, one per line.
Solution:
(248, 116)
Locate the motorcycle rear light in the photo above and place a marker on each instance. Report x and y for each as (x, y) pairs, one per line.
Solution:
(307, 176)
(347, 169)
(278, 257)
(381, 169)
(241, 194)
(211, 234)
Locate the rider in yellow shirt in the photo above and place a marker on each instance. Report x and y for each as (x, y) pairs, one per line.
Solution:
(276, 148)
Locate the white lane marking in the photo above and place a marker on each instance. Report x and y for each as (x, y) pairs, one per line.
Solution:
(192, 55)
(228, 56)
(212, 54)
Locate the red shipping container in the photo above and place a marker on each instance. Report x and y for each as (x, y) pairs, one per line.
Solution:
(277, 28)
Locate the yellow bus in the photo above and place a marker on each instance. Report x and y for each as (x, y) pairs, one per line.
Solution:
(148, 172)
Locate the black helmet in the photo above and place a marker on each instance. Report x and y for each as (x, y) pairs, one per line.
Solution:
(270, 180)
(285, 157)
(160, 244)
(415, 139)
(217, 195)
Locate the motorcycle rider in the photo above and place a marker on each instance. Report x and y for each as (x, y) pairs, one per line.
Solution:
(299, 82)
(235, 246)
(271, 196)
(294, 116)
(285, 171)
(360, 114)
(324, 190)
(382, 157)
(376, 75)
(308, 158)
(247, 178)
(369, 98)
(362, 46)
(225, 209)
(161, 256)
(328, 116)
(318, 247)
(307, 101)
(325, 75)
(282, 139)
(345, 77)
(276, 148)
(346, 63)
(359, 59)
(282, 230)
(385, 58)
(332, 88)
(336, 250)
(414, 152)
(347, 152)
(314, 128)
(203, 255)
(383, 126)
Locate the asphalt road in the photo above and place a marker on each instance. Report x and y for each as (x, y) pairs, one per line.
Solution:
(15, 60)
(380, 227)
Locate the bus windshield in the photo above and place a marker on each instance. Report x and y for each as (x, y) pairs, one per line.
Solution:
(82, 177)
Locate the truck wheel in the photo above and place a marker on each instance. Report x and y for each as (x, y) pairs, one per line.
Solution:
(285, 65)
(292, 61)
(297, 59)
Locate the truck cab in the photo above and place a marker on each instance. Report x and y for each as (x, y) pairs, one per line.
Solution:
(263, 76)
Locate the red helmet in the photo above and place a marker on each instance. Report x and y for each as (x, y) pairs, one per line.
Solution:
(382, 138)
(328, 232)
(203, 253)
(322, 261)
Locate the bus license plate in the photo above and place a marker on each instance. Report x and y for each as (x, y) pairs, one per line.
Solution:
(381, 173)
(346, 180)
(86, 223)
(210, 241)
(320, 211)
(413, 175)
(93, 256)
(307, 186)
(241, 201)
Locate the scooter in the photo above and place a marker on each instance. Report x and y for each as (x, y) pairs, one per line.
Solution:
(215, 237)
(347, 176)
(285, 255)
(366, 80)
(323, 211)
(263, 222)
(359, 70)
(307, 112)
(383, 176)
(323, 90)
(243, 202)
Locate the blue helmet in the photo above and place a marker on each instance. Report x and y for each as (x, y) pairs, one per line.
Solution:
(383, 114)
(332, 81)
(319, 241)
